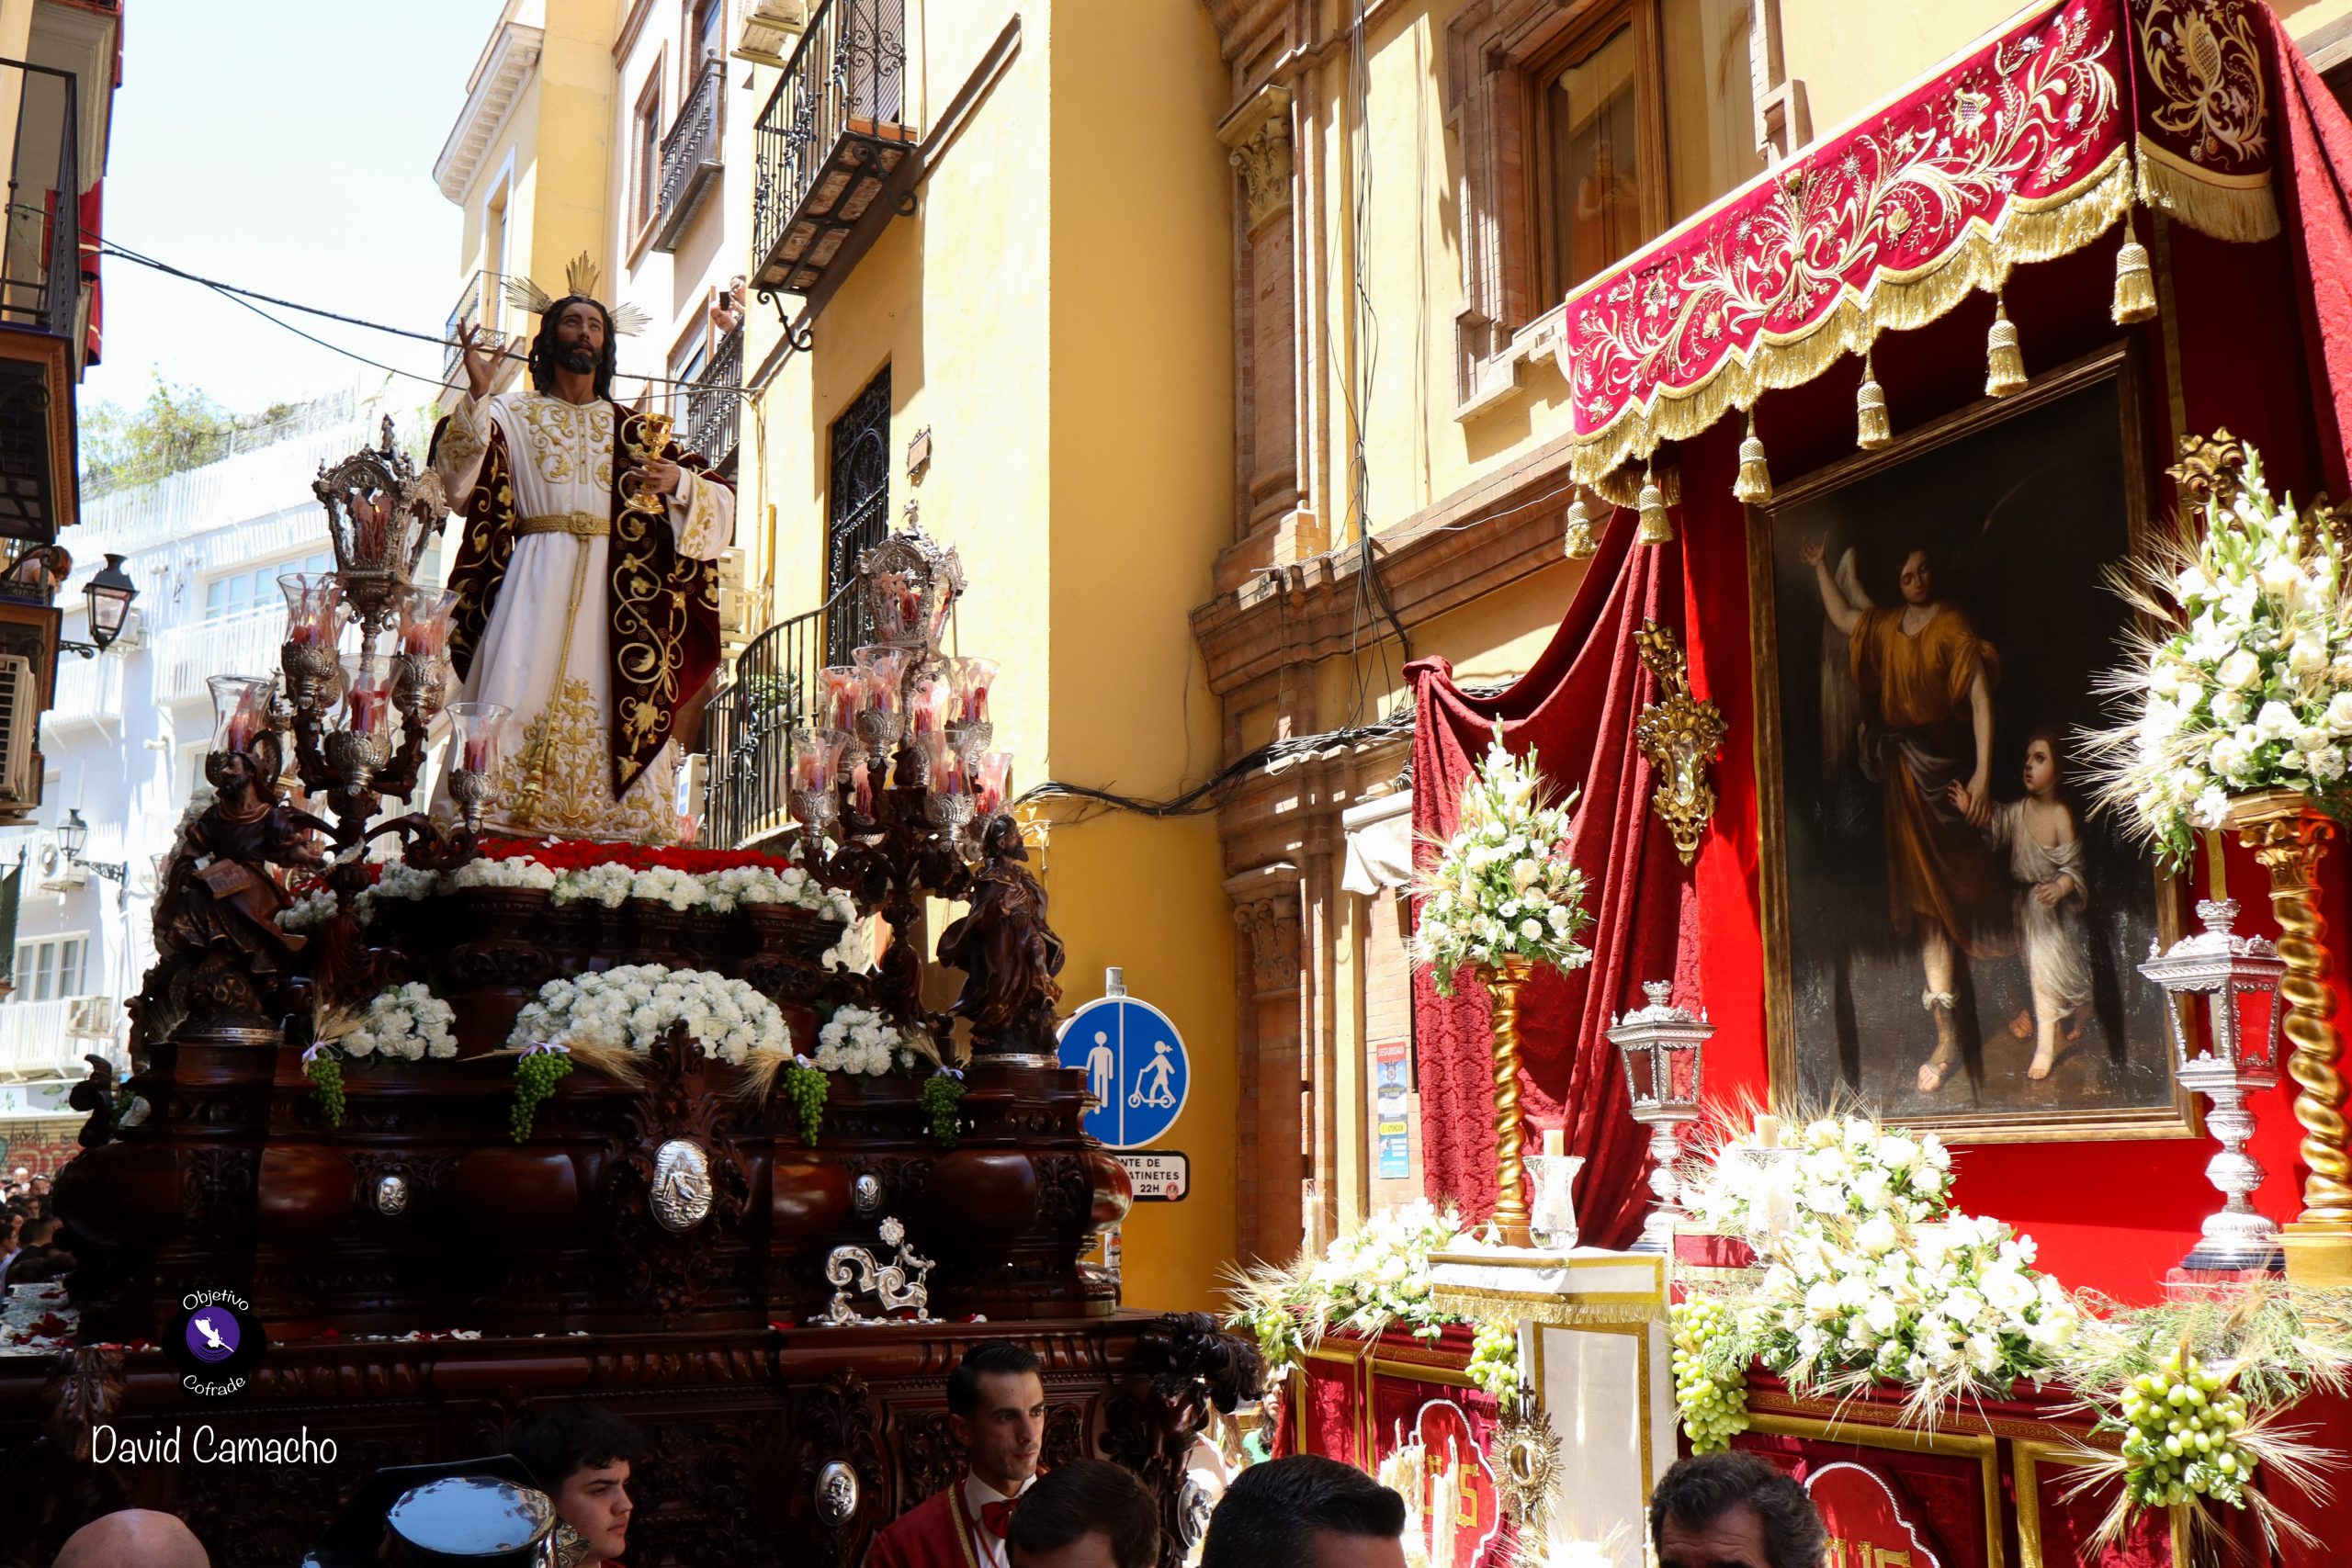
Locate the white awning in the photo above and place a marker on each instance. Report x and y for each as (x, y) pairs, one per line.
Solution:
(1380, 843)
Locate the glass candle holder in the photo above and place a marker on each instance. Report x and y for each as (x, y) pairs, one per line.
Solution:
(239, 711)
(424, 621)
(931, 706)
(973, 678)
(366, 695)
(991, 782)
(884, 668)
(314, 609)
(861, 787)
(817, 758)
(478, 740)
(841, 691)
(943, 769)
(898, 606)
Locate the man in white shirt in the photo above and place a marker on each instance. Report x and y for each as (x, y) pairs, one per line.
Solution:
(996, 1406)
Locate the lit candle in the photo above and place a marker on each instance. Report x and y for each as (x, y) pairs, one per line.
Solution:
(1555, 1142)
(1767, 1131)
(990, 779)
(478, 753)
(417, 640)
(861, 783)
(366, 707)
(840, 689)
(932, 699)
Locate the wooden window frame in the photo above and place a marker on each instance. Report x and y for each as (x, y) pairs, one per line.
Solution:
(697, 334)
(1594, 26)
(645, 173)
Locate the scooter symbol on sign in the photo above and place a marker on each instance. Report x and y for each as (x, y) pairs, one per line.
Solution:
(1151, 1084)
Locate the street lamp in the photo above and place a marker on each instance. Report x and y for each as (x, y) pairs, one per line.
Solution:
(110, 592)
(72, 834)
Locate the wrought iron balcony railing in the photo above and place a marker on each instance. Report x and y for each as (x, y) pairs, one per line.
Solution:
(833, 148)
(40, 246)
(481, 303)
(690, 167)
(714, 407)
(747, 729)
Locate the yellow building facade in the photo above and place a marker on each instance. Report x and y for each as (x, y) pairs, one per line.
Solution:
(1038, 356)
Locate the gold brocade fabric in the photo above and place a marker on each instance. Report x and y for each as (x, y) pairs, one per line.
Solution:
(557, 780)
(578, 525)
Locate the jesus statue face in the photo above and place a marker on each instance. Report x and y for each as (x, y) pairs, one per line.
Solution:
(580, 337)
(1918, 581)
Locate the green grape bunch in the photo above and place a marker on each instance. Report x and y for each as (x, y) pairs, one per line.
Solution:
(1494, 1360)
(809, 1088)
(536, 1077)
(324, 1070)
(2180, 1435)
(1714, 1404)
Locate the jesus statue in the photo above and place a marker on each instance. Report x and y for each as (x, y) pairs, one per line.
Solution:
(586, 576)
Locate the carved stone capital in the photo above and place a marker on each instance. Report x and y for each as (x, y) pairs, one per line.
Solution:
(1258, 136)
(1265, 913)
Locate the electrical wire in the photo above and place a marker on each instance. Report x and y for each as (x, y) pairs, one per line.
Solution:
(252, 300)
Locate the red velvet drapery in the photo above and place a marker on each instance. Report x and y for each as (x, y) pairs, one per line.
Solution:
(1576, 707)
(2315, 201)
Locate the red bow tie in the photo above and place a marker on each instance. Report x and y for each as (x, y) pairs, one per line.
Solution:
(998, 1517)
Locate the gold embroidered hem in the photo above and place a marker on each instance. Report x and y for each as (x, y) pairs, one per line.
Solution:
(578, 525)
(559, 780)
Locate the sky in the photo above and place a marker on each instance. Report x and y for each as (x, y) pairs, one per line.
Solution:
(287, 146)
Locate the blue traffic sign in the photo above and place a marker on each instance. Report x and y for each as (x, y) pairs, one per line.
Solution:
(1135, 1065)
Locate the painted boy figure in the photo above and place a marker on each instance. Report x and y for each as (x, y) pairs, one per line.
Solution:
(594, 619)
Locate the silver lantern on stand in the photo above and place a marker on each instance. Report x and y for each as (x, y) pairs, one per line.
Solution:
(1661, 1044)
(2238, 977)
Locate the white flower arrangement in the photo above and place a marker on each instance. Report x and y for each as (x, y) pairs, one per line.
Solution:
(681, 890)
(1503, 886)
(403, 1024)
(631, 1007)
(853, 952)
(1842, 1168)
(2250, 685)
(612, 883)
(859, 1040)
(312, 908)
(525, 874)
(406, 881)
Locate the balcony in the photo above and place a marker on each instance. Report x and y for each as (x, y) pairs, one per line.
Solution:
(40, 244)
(747, 729)
(89, 692)
(482, 303)
(715, 406)
(690, 168)
(47, 1040)
(186, 657)
(834, 156)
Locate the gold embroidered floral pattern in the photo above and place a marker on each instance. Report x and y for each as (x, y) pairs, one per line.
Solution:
(2202, 60)
(569, 442)
(557, 780)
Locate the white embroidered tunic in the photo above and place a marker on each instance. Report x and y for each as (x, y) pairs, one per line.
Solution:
(545, 652)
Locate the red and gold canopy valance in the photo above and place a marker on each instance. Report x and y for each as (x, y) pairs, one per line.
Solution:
(2033, 144)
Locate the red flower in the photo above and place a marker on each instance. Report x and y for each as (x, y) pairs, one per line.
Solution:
(578, 854)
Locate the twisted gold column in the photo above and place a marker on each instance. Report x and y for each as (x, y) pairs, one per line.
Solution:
(1510, 1160)
(2288, 836)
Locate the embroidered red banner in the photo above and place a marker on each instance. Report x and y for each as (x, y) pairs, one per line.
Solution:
(2019, 152)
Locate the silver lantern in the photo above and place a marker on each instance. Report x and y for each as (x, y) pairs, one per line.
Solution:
(1661, 1044)
(2238, 977)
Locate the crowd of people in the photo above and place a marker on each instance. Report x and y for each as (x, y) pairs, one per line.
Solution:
(1723, 1510)
(30, 1251)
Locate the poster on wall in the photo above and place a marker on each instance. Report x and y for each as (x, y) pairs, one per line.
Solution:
(1951, 935)
(1392, 1095)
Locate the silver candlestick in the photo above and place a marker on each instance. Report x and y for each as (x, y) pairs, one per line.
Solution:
(1661, 1044)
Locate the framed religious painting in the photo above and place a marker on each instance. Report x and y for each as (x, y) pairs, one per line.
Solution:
(1952, 936)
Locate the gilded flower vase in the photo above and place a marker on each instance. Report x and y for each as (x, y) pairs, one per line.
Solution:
(2288, 835)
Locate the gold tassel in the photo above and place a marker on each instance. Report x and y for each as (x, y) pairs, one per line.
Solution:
(1754, 486)
(2135, 283)
(1580, 542)
(1872, 428)
(1657, 528)
(2005, 362)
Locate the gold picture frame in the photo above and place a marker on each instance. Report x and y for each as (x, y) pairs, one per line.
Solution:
(2173, 1116)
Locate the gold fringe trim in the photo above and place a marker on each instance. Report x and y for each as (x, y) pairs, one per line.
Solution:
(1615, 1311)
(2030, 231)
(2242, 210)
(1622, 487)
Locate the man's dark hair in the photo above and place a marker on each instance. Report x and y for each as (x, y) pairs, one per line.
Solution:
(1272, 1512)
(1082, 1496)
(40, 1230)
(1702, 1489)
(544, 346)
(559, 1443)
(986, 1360)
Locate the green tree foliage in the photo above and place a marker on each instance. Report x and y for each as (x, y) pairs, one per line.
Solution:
(176, 428)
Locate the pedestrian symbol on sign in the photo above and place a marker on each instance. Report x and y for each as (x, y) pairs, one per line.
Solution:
(1135, 1065)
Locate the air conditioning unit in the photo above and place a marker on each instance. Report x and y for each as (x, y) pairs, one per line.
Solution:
(20, 724)
(58, 872)
(94, 1018)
